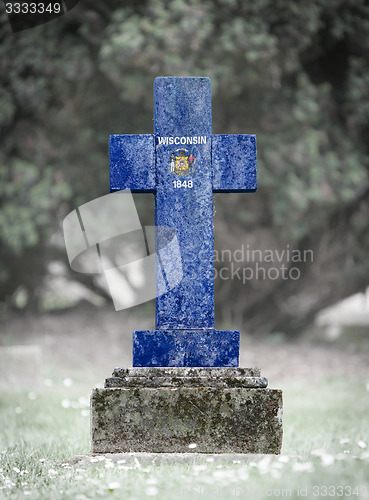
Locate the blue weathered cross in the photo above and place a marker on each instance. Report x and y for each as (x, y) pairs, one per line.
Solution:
(182, 163)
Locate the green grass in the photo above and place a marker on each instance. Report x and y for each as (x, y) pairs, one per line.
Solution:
(325, 430)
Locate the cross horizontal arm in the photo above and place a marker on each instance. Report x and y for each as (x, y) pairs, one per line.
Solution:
(234, 163)
(132, 162)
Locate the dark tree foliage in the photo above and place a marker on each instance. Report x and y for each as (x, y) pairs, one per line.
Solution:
(294, 73)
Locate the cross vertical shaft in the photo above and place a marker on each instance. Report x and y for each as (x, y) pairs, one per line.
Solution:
(182, 115)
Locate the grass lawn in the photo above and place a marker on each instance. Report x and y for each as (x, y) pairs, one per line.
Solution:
(325, 451)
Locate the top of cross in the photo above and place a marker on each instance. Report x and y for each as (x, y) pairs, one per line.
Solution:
(182, 117)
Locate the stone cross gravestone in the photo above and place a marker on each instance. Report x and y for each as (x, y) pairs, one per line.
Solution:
(185, 385)
(182, 163)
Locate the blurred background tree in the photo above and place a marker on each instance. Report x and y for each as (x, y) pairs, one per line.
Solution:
(296, 74)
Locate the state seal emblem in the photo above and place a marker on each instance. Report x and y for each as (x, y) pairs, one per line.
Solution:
(182, 162)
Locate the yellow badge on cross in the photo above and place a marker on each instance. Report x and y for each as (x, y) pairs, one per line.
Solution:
(182, 162)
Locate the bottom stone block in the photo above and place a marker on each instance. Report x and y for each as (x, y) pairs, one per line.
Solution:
(218, 418)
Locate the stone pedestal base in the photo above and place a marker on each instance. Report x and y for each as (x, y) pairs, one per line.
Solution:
(165, 410)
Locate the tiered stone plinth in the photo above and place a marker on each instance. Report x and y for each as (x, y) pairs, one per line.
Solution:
(221, 410)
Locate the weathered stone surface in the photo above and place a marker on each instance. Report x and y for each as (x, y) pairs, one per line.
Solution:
(189, 377)
(182, 108)
(255, 382)
(172, 371)
(234, 163)
(169, 419)
(132, 162)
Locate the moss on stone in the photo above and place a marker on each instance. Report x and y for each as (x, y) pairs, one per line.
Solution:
(237, 420)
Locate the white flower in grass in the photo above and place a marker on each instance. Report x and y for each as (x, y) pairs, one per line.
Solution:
(277, 465)
(121, 461)
(52, 472)
(303, 467)
(199, 467)
(243, 474)
(361, 444)
(67, 382)
(15, 469)
(225, 474)
(344, 440)
(152, 491)
(219, 474)
(26, 492)
(8, 483)
(42, 460)
(210, 459)
(94, 459)
(85, 413)
(192, 446)
(152, 480)
(18, 410)
(65, 403)
(32, 396)
(264, 464)
(327, 460)
(109, 465)
(275, 473)
(114, 485)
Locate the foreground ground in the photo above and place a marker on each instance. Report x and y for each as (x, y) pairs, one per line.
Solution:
(326, 431)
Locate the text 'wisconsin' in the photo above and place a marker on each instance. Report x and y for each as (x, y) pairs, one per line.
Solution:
(164, 141)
